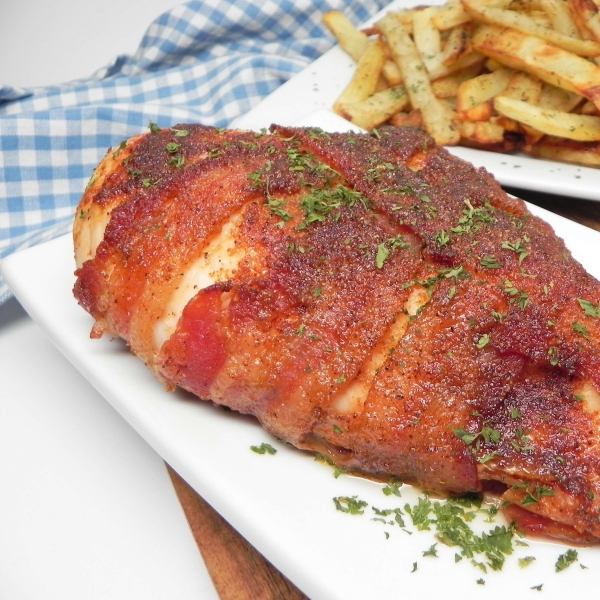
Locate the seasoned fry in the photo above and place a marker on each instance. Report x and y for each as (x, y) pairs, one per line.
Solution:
(521, 22)
(482, 132)
(426, 37)
(447, 87)
(583, 128)
(364, 81)
(436, 116)
(474, 92)
(561, 17)
(534, 55)
(525, 87)
(587, 11)
(458, 44)
(575, 152)
(353, 41)
(410, 119)
(555, 98)
(391, 73)
(450, 15)
(501, 75)
(376, 109)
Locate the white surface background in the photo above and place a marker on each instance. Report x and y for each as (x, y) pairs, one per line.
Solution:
(87, 510)
(44, 42)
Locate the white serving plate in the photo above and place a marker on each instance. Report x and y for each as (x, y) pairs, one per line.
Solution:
(315, 89)
(283, 503)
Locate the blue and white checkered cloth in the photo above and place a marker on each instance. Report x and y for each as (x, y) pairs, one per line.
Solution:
(205, 61)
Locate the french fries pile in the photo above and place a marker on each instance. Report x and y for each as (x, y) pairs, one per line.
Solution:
(498, 75)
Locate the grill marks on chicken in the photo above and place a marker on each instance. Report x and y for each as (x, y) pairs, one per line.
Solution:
(371, 298)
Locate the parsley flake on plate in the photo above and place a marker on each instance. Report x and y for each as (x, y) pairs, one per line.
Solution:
(263, 449)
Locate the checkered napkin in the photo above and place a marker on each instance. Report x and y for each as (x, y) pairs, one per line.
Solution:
(205, 61)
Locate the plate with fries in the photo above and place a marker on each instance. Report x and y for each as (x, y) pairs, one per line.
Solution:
(509, 85)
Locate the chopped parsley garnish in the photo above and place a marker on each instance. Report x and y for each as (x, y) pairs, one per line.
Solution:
(577, 327)
(566, 560)
(517, 247)
(526, 561)
(520, 298)
(276, 207)
(153, 127)
(473, 219)
(490, 262)
(534, 497)
(385, 249)
(351, 505)
(441, 238)
(553, 355)
(382, 254)
(589, 309)
(483, 341)
(119, 148)
(178, 161)
(431, 551)
(263, 449)
(392, 488)
(487, 434)
(180, 132)
(321, 202)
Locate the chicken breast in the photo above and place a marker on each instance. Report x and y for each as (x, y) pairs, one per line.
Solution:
(369, 297)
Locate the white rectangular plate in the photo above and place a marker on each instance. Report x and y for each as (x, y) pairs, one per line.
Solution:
(315, 89)
(283, 503)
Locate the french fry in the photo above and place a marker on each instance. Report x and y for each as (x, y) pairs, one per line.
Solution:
(473, 100)
(526, 88)
(536, 56)
(587, 108)
(587, 11)
(541, 19)
(451, 15)
(410, 119)
(365, 78)
(352, 41)
(376, 109)
(391, 73)
(582, 128)
(521, 22)
(522, 86)
(465, 61)
(555, 98)
(457, 45)
(436, 116)
(572, 152)
(498, 75)
(427, 37)
(560, 16)
(481, 132)
(447, 87)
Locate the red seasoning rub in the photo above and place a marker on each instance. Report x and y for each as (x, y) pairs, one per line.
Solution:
(368, 297)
